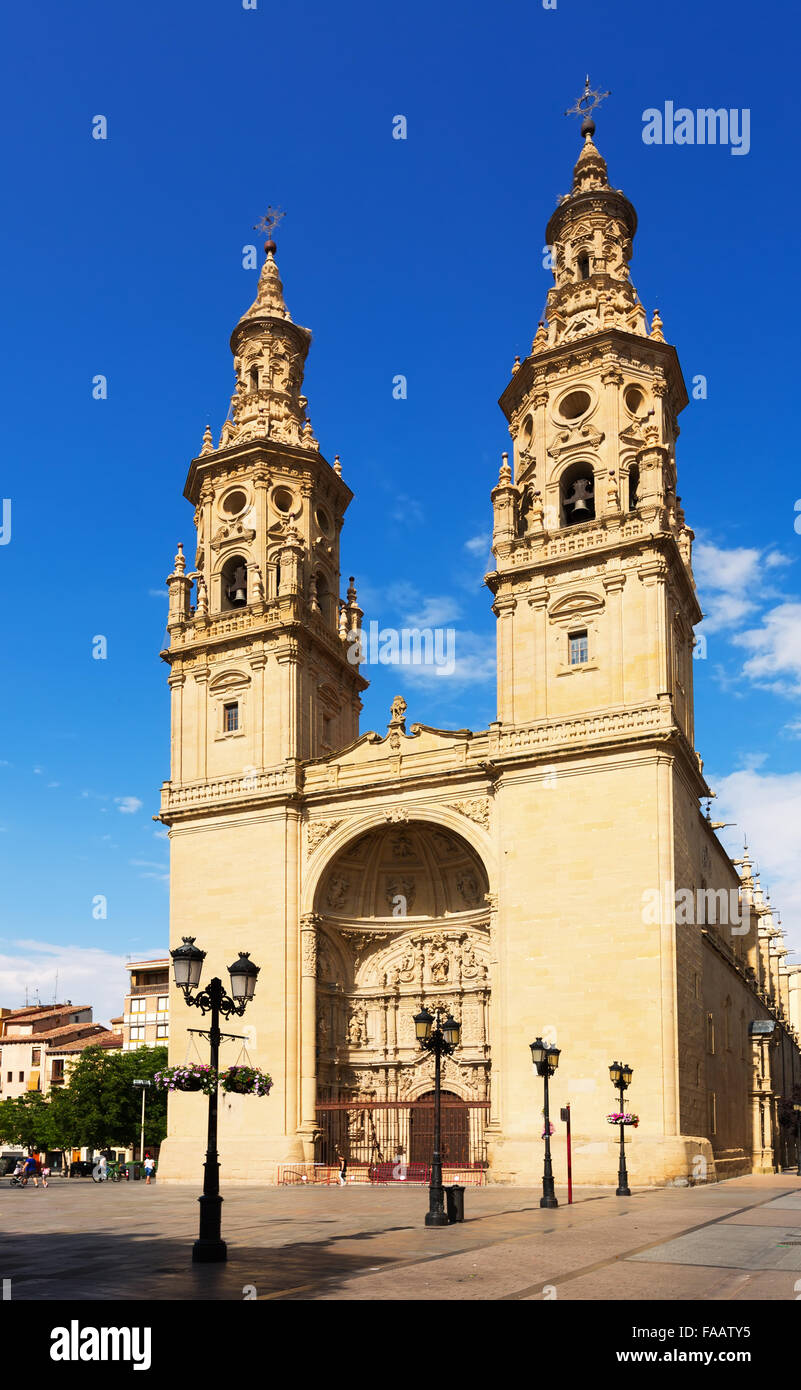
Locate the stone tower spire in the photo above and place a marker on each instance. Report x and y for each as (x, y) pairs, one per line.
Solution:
(593, 584)
(269, 357)
(590, 235)
(278, 680)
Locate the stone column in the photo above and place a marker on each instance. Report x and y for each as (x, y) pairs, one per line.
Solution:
(176, 683)
(613, 584)
(308, 1024)
(504, 608)
(538, 602)
(493, 1031)
(202, 696)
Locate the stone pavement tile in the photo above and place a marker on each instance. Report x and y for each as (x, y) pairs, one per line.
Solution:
(729, 1246)
(87, 1242)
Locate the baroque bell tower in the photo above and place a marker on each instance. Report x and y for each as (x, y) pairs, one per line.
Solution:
(593, 584)
(266, 642)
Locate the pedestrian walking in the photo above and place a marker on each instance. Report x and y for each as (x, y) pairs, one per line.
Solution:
(45, 1174)
(343, 1170)
(150, 1168)
(31, 1171)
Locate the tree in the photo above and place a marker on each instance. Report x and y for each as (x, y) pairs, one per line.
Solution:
(101, 1109)
(26, 1120)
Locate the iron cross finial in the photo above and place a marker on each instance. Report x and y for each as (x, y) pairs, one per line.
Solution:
(587, 102)
(269, 221)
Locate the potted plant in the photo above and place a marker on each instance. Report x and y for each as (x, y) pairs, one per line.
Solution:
(623, 1117)
(192, 1076)
(246, 1081)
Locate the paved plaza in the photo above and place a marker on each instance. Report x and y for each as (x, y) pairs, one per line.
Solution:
(737, 1240)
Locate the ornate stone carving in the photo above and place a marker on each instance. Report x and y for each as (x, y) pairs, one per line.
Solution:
(319, 830)
(337, 892)
(468, 888)
(475, 808)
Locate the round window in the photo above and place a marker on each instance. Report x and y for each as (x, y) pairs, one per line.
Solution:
(634, 400)
(234, 502)
(283, 499)
(526, 431)
(323, 520)
(575, 404)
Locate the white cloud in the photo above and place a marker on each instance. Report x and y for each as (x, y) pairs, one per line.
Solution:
(86, 974)
(158, 593)
(479, 545)
(767, 810)
(128, 805)
(775, 646)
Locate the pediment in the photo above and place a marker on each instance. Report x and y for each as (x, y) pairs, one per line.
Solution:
(229, 680)
(575, 605)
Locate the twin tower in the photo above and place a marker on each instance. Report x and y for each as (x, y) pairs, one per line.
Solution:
(523, 853)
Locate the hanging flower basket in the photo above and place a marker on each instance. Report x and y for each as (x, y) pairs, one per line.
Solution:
(623, 1117)
(246, 1081)
(192, 1076)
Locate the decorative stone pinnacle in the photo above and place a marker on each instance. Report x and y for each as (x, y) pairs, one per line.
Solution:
(337, 466)
(505, 474)
(208, 442)
(180, 562)
(656, 328)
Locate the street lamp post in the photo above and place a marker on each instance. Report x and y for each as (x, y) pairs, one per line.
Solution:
(144, 1085)
(440, 1036)
(797, 1109)
(187, 963)
(546, 1060)
(621, 1078)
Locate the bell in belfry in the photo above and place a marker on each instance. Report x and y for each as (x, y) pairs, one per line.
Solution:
(579, 503)
(237, 589)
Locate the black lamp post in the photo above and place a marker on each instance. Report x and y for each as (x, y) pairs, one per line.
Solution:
(187, 964)
(546, 1060)
(621, 1078)
(797, 1109)
(439, 1035)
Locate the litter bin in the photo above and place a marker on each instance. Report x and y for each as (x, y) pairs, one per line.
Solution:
(454, 1196)
(137, 1171)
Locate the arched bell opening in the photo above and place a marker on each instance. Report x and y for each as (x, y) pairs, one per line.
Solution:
(577, 494)
(401, 920)
(234, 583)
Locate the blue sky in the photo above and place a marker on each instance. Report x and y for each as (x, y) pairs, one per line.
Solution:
(421, 257)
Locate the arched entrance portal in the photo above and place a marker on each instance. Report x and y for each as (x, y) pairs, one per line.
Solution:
(401, 920)
(454, 1130)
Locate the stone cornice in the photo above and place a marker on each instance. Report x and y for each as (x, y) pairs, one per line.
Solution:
(263, 453)
(587, 351)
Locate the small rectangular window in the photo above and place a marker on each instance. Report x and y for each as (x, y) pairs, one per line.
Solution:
(37, 1054)
(162, 1030)
(137, 1034)
(578, 648)
(22, 1076)
(163, 1005)
(10, 1076)
(230, 718)
(138, 1006)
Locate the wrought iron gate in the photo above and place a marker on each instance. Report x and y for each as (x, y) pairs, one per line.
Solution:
(371, 1132)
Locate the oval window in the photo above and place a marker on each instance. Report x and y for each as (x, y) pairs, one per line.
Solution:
(526, 431)
(234, 502)
(575, 404)
(634, 400)
(283, 499)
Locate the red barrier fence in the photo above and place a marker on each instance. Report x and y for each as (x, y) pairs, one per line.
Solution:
(394, 1173)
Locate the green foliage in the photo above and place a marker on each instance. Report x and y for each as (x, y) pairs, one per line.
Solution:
(26, 1120)
(105, 1107)
(98, 1108)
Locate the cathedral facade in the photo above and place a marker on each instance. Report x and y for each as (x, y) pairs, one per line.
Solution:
(552, 874)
